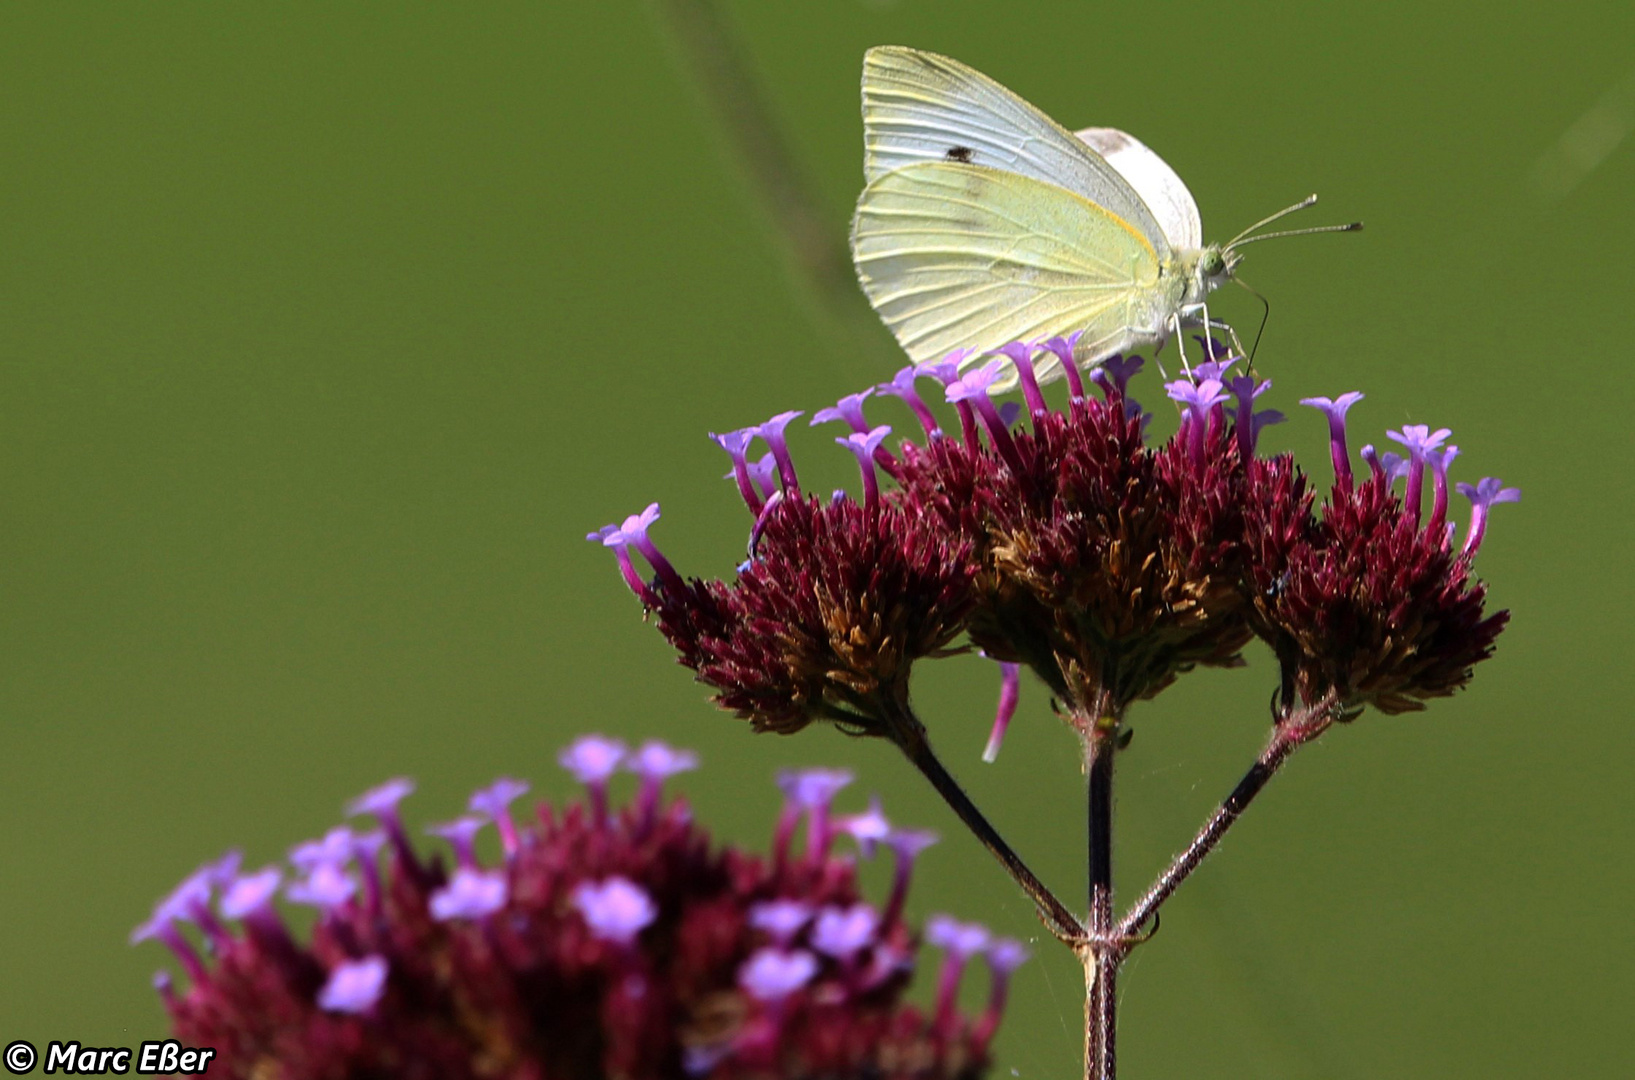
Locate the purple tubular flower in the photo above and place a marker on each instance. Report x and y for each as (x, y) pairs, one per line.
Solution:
(1420, 441)
(1010, 694)
(187, 898)
(250, 893)
(336, 848)
(1440, 461)
(655, 762)
(461, 833)
(946, 371)
(354, 986)
(765, 475)
(381, 802)
(1335, 410)
(772, 432)
(632, 532)
(972, 390)
(1116, 372)
(849, 410)
(616, 910)
(470, 894)
(736, 444)
(1063, 348)
(960, 941)
(844, 932)
(494, 801)
(771, 975)
(327, 887)
(812, 790)
(1246, 421)
(902, 386)
(868, 829)
(1199, 400)
(1484, 495)
(609, 536)
(592, 759)
(366, 851)
(781, 920)
(1004, 956)
(1020, 354)
(906, 845)
(863, 447)
(1213, 369)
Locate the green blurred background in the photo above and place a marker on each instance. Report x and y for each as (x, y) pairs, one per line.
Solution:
(326, 333)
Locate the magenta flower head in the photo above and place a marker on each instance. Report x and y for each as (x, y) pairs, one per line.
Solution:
(1364, 603)
(606, 944)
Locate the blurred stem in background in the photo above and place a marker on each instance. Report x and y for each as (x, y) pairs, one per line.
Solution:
(812, 237)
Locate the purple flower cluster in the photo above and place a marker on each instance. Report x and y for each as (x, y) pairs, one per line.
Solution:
(1069, 545)
(604, 942)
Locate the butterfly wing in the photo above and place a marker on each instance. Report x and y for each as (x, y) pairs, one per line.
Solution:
(1159, 188)
(954, 255)
(920, 107)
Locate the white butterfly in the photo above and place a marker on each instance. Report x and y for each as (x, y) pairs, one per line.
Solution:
(984, 221)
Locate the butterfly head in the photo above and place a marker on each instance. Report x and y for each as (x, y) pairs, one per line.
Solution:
(1215, 266)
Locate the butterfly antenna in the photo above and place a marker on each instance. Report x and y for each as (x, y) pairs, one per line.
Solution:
(1352, 226)
(1265, 316)
(1309, 200)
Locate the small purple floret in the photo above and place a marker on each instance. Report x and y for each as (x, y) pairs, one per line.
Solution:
(772, 432)
(1199, 401)
(962, 939)
(495, 802)
(863, 446)
(1116, 371)
(869, 829)
(849, 411)
(1335, 410)
(902, 386)
(844, 932)
(382, 801)
(773, 974)
(1062, 348)
(812, 790)
(592, 759)
(1020, 354)
(1010, 693)
(461, 833)
(1487, 493)
(736, 444)
(616, 910)
(335, 848)
(780, 920)
(250, 893)
(655, 762)
(470, 894)
(327, 887)
(354, 986)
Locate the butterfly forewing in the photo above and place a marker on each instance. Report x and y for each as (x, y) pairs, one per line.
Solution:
(955, 255)
(921, 107)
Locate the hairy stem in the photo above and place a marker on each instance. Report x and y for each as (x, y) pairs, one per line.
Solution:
(1290, 733)
(909, 735)
(1104, 955)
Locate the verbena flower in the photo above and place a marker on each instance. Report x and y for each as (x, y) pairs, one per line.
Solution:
(1371, 601)
(1069, 544)
(605, 942)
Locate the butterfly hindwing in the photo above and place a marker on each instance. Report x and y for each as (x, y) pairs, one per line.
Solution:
(952, 254)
